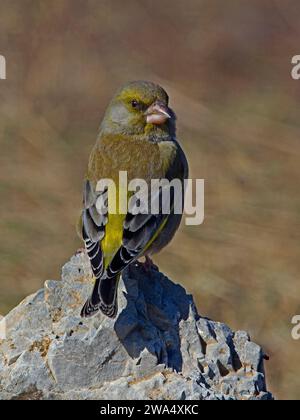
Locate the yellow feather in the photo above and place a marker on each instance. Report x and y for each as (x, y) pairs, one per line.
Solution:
(114, 228)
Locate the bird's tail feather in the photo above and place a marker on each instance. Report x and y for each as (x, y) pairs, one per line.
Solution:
(104, 297)
(109, 295)
(92, 305)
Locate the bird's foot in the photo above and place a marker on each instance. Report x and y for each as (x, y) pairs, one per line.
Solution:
(80, 251)
(149, 264)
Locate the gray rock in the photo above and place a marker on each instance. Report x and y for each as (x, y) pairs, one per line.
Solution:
(158, 347)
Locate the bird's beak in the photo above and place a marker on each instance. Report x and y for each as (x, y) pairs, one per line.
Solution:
(157, 113)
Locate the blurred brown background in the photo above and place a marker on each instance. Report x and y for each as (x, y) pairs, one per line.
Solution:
(226, 66)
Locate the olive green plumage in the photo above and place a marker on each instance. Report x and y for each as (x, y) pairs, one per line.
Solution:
(137, 135)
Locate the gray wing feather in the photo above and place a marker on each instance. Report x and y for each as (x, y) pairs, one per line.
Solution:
(94, 225)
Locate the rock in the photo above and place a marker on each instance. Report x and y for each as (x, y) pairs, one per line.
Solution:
(158, 347)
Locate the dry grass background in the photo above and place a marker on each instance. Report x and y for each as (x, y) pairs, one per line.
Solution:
(227, 68)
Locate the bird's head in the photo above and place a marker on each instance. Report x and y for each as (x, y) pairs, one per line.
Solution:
(140, 108)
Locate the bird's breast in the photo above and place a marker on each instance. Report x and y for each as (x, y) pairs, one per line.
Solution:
(139, 158)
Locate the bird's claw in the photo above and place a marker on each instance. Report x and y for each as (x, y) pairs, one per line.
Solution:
(80, 251)
(149, 264)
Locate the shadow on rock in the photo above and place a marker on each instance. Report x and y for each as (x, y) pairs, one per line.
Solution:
(152, 314)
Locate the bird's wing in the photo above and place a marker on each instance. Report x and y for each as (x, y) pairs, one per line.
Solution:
(94, 219)
(139, 232)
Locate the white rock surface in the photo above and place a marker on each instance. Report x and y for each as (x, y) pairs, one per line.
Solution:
(158, 347)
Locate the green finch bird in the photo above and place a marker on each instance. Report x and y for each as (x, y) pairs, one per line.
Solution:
(137, 135)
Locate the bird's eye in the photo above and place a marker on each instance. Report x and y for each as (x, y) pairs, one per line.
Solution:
(134, 103)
